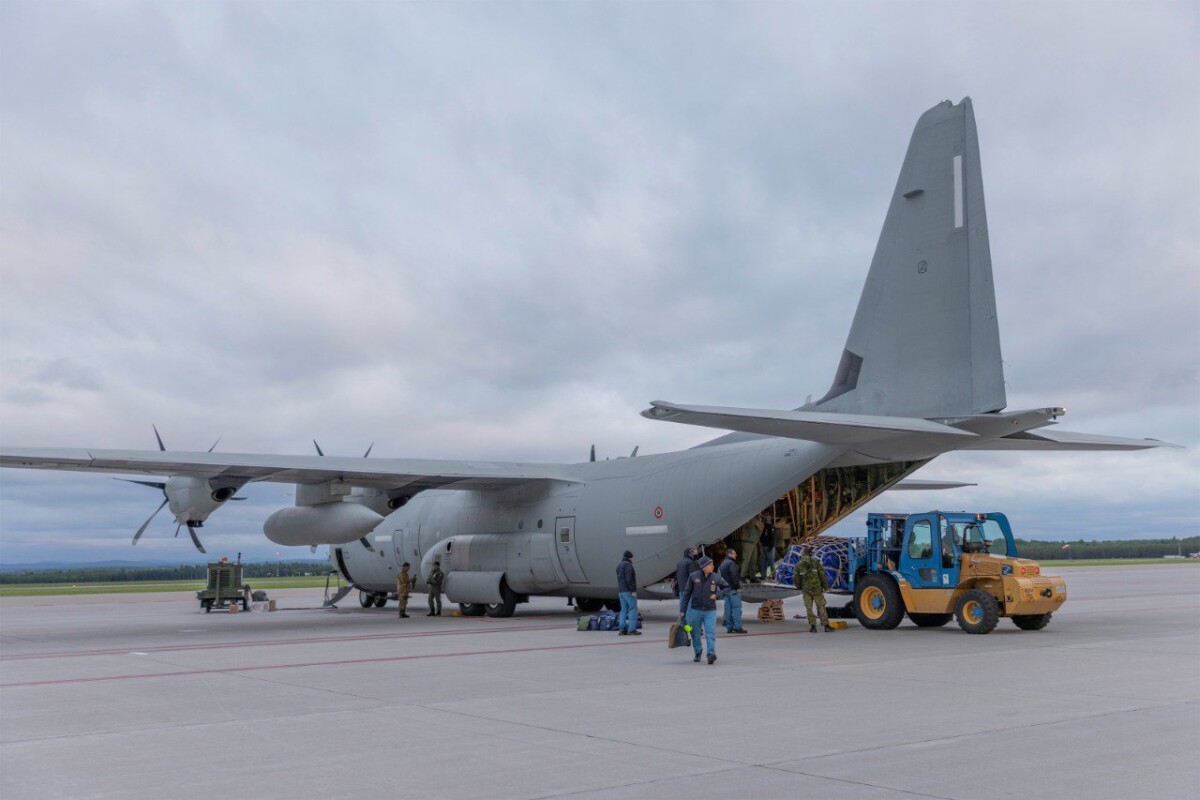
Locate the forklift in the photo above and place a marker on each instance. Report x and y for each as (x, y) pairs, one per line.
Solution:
(939, 566)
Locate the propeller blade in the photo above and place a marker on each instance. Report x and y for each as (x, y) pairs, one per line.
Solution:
(177, 527)
(320, 452)
(634, 453)
(151, 484)
(161, 446)
(196, 540)
(146, 524)
(237, 498)
(368, 453)
(217, 442)
(593, 457)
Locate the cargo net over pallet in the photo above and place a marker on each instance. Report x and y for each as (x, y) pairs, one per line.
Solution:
(832, 552)
(804, 512)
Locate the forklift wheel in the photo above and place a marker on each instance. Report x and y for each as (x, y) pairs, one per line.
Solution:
(877, 603)
(977, 612)
(1031, 622)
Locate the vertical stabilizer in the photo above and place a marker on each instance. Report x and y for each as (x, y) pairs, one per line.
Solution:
(925, 341)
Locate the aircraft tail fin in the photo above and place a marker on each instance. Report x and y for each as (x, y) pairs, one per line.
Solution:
(925, 341)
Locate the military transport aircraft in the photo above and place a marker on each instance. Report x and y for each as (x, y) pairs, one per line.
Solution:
(920, 375)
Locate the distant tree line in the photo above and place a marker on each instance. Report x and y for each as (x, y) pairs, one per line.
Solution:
(1122, 548)
(183, 572)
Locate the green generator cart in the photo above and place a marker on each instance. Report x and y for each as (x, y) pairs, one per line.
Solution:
(224, 587)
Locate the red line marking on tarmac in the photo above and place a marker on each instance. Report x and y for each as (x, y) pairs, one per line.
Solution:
(345, 662)
(270, 643)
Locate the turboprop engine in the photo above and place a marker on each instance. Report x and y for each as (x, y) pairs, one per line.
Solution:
(325, 523)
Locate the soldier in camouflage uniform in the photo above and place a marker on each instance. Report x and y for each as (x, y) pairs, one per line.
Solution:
(810, 578)
(403, 587)
(435, 589)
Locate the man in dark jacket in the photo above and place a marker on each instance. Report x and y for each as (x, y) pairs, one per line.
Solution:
(733, 597)
(683, 568)
(700, 599)
(627, 591)
(767, 546)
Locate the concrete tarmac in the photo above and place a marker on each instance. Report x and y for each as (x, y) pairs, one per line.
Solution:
(144, 696)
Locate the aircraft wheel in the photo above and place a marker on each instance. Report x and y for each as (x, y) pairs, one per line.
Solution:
(506, 607)
(206, 605)
(977, 612)
(366, 599)
(930, 620)
(589, 605)
(877, 603)
(472, 609)
(381, 601)
(1031, 622)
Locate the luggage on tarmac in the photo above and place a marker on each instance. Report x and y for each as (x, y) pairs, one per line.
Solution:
(584, 623)
(678, 636)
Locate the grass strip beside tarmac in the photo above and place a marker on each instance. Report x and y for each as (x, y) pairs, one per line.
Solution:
(49, 589)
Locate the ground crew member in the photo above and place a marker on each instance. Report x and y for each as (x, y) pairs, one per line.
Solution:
(683, 568)
(700, 599)
(627, 620)
(811, 579)
(733, 597)
(435, 589)
(403, 587)
(766, 544)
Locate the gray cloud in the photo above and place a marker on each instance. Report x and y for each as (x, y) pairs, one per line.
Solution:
(499, 230)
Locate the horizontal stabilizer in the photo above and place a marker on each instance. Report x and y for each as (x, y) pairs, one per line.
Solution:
(1064, 440)
(810, 426)
(923, 485)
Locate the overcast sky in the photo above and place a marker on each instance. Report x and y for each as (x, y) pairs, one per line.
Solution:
(498, 230)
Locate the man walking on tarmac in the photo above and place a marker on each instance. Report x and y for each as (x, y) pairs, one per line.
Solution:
(627, 620)
(733, 597)
(699, 597)
(403, 587)
(435, 589)
(684, 568)
(810, 578)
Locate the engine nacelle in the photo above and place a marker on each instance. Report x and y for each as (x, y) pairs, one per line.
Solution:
(327, 523)
(192, 499)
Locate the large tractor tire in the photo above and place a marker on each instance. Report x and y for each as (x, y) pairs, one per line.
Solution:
(1031, 622)
(930, 620)
(878, 604)
(977, 611)
(472, 609)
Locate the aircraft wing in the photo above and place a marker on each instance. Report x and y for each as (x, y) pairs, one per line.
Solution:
(920, 485)
(812, 426)
(1064, 440)
(379, 473)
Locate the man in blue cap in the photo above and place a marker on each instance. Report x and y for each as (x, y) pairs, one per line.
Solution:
(699, 597)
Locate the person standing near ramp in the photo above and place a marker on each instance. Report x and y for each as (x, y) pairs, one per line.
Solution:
(733, 596)
(810, 578)
(436, 576)
(403, 587)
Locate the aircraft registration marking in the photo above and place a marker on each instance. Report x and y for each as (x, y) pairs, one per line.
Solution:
(645, 530)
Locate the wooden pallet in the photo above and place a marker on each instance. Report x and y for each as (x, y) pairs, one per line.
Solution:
(771, 611)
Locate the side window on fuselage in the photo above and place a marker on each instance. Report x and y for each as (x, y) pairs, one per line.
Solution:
(920, 542)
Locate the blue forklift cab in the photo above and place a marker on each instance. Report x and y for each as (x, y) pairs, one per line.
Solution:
(926, 549)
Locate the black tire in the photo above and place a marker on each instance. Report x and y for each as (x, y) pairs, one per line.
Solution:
(930, 620)
(206, 605)
(878, 604)
(505, 607)
(381, 601)
(472, 609)
(366, 599)
(977, 611)
(1031, 622)
(589, 605)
